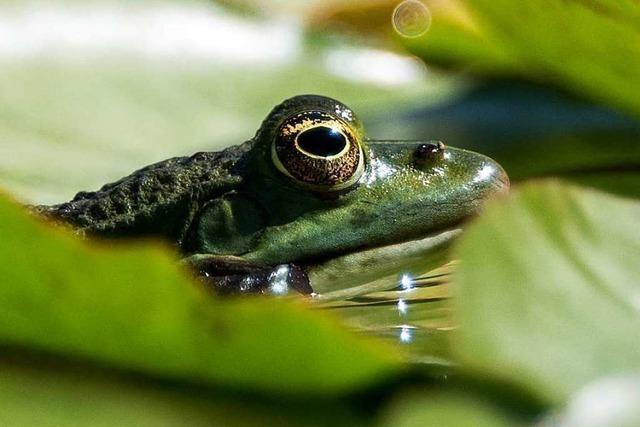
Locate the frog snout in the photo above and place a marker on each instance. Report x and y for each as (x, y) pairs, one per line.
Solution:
(491, 179)
(483, 176)
(485, 173)
(502, 180)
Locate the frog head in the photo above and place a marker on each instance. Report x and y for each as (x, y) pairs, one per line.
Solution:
(327, 190)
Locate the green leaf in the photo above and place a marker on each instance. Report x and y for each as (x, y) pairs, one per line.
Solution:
(589, 47)
(547, 291)
(58, 394)
(444, 410)
(612, 401)
(130, 306)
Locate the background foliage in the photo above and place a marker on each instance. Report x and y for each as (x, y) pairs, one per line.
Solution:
(541, 325)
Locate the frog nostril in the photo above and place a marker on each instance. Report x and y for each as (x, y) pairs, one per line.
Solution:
(428, 152)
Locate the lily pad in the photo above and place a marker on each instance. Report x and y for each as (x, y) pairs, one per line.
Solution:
(445, 409)
(591, 48)
(547, 289)
(607, 402)
(130, 306)
(55, 394)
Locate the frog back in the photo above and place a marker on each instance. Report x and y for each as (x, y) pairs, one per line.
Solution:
(158, 200)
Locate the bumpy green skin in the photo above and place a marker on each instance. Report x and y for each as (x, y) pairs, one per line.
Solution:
(159, 199)
(236, 202)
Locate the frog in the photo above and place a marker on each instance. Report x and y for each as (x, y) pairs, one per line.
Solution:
(310, 205)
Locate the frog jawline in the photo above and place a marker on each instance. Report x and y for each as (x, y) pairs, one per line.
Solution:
(350, 274)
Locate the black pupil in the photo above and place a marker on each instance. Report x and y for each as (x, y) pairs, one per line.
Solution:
(322, 141)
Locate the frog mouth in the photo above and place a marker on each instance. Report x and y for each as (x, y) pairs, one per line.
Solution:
(353, 273)
(345, 275)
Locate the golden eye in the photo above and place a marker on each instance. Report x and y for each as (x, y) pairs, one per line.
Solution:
(319, 151)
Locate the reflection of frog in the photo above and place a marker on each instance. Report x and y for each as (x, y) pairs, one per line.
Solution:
(308, 198)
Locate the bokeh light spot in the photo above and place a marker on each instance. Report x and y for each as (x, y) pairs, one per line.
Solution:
(411, 18)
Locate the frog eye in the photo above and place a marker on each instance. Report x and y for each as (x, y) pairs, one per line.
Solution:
(319, 151)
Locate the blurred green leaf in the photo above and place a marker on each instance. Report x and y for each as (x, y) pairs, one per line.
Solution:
(444, 409)
(547, 289)
(129, 306)
(590, 47)
(454, 37)
(613, 401)
(34, 393)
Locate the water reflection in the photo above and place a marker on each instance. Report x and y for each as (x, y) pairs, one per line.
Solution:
(402, 306)
(406, 334)
(413, 312)
(278, 281)
(406, 282)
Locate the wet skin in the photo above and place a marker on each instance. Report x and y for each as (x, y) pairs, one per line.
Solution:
(309, 203)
